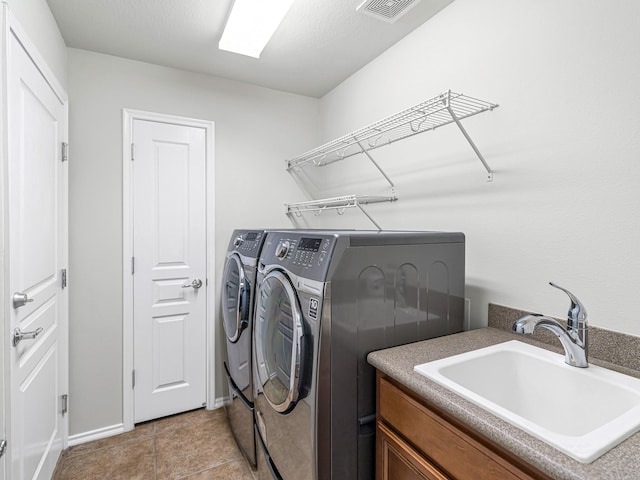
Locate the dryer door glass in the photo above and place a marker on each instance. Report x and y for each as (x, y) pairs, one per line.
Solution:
(235, 299)
(279, 338)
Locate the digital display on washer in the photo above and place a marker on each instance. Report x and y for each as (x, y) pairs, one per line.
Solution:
(309, 244)
(251, 236)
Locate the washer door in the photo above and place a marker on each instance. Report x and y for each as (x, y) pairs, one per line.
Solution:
(279, 342)
(236, 296)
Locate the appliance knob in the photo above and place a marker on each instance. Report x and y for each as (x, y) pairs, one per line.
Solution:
(283, 249)
(238, 241)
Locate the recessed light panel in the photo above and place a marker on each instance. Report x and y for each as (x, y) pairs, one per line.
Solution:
(251, 25)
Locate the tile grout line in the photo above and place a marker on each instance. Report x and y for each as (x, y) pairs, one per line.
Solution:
(189, 475)
(155, 454)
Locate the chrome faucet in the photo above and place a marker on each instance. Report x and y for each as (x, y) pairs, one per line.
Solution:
(574, 339)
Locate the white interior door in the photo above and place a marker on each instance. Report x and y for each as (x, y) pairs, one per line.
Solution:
(37, 250)
(169, 284)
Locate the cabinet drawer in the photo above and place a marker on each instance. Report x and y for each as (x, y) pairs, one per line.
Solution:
(397, 460)
(452, 450)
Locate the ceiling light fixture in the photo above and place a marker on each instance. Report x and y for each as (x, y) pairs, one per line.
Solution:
(251, 25)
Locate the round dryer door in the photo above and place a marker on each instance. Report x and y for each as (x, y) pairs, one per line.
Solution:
(279, 342)
(235, 299)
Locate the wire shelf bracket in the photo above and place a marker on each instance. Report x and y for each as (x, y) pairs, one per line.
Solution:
(448, 107)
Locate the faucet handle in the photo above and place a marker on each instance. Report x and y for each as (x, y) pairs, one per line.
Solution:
(577, 315)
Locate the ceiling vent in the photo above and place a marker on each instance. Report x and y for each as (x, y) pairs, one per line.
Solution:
(386, 10)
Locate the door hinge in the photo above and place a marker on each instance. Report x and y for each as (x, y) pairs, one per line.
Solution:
(133, 379)
(133, 265)
(64, 278)
(3, 447)
(132, 151)
(65, 151)
(64, 400)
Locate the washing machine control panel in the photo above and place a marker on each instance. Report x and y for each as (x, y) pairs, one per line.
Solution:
(305, 254)
(307, 251)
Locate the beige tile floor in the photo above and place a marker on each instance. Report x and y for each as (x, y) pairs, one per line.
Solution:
(196, 445)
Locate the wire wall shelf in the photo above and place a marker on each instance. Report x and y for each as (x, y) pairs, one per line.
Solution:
(340, 204)
(448, 107)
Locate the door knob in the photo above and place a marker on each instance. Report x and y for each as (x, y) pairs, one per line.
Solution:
(19, 335)
(196, 284)
(20, 299)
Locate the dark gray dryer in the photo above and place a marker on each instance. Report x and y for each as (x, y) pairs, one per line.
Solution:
(238, 289)
(325, 300)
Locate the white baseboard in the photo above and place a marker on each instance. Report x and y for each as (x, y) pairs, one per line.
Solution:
(220, 402)
(96, 434)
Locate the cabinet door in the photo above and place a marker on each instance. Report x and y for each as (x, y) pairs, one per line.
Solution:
(396, 460)
(456, 452)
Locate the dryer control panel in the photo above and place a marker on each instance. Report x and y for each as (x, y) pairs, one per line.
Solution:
(247, 242)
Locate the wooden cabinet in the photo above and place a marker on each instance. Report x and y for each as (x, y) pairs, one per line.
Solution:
(414, 440)
(397, 460)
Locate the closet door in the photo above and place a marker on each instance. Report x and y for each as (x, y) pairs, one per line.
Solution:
(37, 298)
(169, 284)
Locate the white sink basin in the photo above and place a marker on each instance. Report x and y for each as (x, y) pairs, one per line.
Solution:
(583, 412)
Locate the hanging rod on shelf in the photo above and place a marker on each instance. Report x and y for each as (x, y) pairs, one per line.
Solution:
(448, 107)
(340, 204)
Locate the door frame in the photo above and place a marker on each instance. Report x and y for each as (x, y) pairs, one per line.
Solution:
(128, 117)
(9, 25)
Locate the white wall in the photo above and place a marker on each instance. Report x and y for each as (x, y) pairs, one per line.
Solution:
(37, 20)
(564, 205)
(255, 130)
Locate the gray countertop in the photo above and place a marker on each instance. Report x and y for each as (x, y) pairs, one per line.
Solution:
(621, 462)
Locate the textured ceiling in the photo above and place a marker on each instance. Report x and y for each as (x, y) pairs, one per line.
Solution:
(319, 44)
